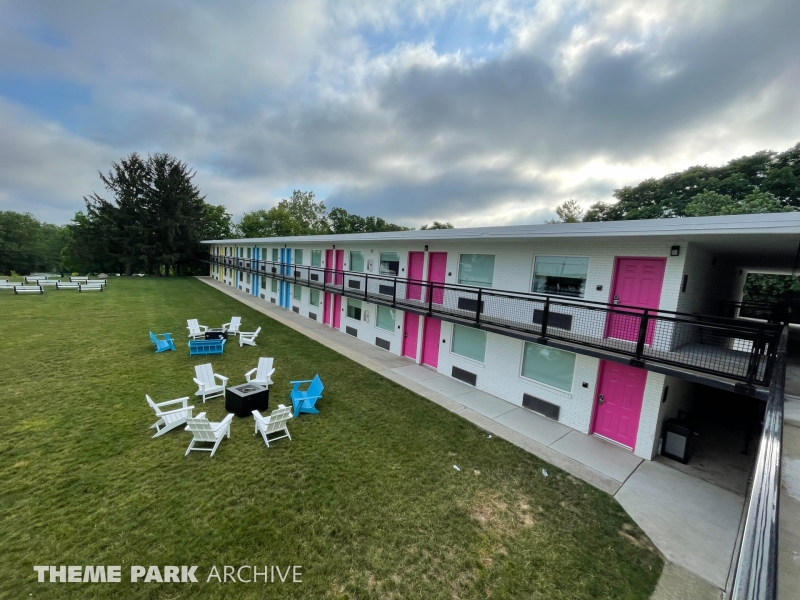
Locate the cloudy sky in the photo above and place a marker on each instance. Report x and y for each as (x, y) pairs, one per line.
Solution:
(480, 113)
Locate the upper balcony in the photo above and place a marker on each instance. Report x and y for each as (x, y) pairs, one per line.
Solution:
(722, 352)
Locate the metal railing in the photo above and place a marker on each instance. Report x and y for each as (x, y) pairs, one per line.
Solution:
(780, 311)
(756, 568)
(733, 349)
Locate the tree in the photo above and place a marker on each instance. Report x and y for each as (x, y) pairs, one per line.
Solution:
(568, 212)
(153, 222)
(765, 172)
(708, 203)
(438, 225)
(28, 245)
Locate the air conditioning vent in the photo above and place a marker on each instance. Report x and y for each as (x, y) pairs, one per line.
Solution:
(386, 290)
(465, 376)
(554, 319)
(381, 343)
(296, 309)
(469, 304)
(314, 277)
(354, 283)
(537, 405)
(351, 331)
(312, 316)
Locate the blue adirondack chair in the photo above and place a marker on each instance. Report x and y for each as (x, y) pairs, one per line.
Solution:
(305, 401)
(162, 345)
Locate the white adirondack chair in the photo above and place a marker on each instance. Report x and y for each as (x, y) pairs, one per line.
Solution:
(233, 326)
(195, 329)
(248, 338)
(275, 423)
(206, 432)
(206, 380)
(263, 372)
(171, 418)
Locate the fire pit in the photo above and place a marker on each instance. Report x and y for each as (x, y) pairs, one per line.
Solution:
(243, 399)
(216, 334)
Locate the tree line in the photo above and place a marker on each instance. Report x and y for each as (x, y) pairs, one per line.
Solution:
(764, 182)
(151, 219)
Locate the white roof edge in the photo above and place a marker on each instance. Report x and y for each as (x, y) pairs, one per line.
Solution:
(770, 223)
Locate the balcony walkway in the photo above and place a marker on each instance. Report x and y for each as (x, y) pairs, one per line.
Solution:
(691, 521)
(789, 517)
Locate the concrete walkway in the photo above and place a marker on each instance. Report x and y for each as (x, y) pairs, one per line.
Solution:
(692, 522)
(789, 517)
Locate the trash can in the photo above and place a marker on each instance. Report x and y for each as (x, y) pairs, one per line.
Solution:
(677, 440)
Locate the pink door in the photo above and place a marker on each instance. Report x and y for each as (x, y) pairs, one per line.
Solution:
(410, 334)
(339, 277)
(328, 265)
(430, 342)
(326, 309)
(620, 390)
(337, 310)
(416, 261)
(437, 267)
(637, 282)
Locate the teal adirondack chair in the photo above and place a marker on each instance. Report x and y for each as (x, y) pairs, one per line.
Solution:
(162, 345)
(306, 400)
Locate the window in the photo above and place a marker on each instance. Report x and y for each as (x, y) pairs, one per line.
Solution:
(386, 318)
(354, 309)
(548, 365)
(390, 263)
(248, 252)
(298, 256)
(469, 342)
(263, 282)
(274, 255)
(297, 292)
(476, 269)
(313, 297)
(562, 275)
(275, 285)
(316, 258)
(248, 278)
(357, 262)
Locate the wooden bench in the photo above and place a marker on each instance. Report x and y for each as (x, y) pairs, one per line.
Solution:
(90, 287)
(67, 285)
(197, 347)
(28, 289)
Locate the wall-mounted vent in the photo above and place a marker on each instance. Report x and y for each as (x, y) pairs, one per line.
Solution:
(381, 343)
(465, 376)
(272, 300)
(312, 316)
(469, 304)
(297, 273)
(351, 331)
(274, 270)
(314, 277)
(537, 405)
(263, 297)
(296, 309)
(386, 290)
(554, 319)
(354, 283)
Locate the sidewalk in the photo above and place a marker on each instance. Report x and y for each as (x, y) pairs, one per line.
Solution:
(692, 522)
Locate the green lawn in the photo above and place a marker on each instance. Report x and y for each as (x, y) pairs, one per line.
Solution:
(365, 498)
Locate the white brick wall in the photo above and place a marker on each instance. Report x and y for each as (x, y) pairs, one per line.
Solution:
(500, 373)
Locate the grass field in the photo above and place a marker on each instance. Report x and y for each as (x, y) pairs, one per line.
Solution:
(365, 498)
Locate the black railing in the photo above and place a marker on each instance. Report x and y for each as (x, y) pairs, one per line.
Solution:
(732, 349)
(756, 568)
